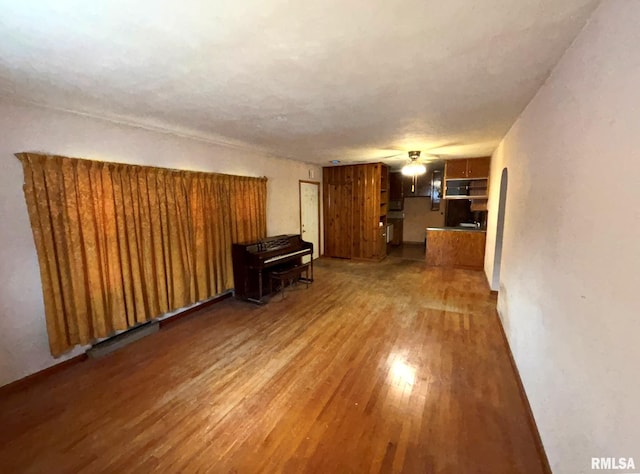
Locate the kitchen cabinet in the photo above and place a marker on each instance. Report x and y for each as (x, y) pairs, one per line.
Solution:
(455, 248)
(466, 189)
(418, 186)
(455, 169)
(395, 186)
(356, 199)
(468, 179)
(397, 231)
(478, 167)
(468, 168)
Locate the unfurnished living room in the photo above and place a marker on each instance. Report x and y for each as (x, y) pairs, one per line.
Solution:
(319, 237)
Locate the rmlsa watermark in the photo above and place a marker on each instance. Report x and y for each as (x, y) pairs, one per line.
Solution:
(612, 463)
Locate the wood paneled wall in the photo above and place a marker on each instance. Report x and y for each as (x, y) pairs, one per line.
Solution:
(353, 210)
(338, 204)
(366, 211)
(452, 248)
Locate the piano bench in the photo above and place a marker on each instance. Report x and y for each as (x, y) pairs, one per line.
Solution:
(291, 275)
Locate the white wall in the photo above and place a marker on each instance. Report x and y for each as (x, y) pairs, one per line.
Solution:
(569, 293)
(23, 339)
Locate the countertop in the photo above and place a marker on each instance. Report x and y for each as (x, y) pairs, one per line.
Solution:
(458, 229)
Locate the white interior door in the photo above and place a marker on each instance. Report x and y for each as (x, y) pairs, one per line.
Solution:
(310, 215)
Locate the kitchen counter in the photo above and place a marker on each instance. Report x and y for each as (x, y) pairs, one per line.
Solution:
(458, 229)
(459, 247)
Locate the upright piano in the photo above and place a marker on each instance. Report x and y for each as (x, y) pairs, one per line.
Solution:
(253, 261)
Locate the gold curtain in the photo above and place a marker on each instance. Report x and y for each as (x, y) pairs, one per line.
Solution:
(122, 244)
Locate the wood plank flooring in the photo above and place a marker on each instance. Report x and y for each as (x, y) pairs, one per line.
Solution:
(377, 367)
(408, 251)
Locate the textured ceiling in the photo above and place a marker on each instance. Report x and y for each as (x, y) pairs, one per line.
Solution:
(354, 80)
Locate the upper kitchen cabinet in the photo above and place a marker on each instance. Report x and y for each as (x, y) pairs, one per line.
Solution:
(468, 179)
(395, 187)
(455, 169)
(418, 186)
(471, 168)
(478, 167)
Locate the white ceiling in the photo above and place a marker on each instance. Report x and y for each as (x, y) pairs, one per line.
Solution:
(354, 80)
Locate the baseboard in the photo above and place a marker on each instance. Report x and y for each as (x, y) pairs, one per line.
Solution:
(194, 309)
(24, 383)
(123, 339)
(525, 400)
(491, 292)
(32, 379)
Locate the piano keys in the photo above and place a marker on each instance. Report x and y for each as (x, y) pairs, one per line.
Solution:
(253, 261)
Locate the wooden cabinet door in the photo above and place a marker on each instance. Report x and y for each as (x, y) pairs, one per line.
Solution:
(455, 169)
(395, 185)
(422, 186)
(478, 167)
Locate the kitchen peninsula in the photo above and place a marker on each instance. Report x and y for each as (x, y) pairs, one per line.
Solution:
(459, 247)
(461, 242)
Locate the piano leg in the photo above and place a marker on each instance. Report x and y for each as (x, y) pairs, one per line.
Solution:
(309, 279)
(259, 300)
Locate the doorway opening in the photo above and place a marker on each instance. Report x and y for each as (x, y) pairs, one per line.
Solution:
(497, 256)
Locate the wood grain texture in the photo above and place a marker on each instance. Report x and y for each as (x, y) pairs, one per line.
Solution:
(471, 168)
(455, 169)
(478, 167)
(452, 248)
(350, 375)
(353, 207)
(338, 205)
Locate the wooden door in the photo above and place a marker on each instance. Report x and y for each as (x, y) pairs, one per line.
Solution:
(478, 167)
(310, 216)
(455, 169)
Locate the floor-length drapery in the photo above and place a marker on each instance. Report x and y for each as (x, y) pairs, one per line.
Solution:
(121, 244)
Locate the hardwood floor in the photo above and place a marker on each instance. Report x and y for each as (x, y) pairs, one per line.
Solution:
(408, 251)
(377, 367)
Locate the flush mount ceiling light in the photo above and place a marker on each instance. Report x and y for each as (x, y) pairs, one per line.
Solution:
(413, 168)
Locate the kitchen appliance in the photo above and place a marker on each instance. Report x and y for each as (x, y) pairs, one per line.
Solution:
(389, 232)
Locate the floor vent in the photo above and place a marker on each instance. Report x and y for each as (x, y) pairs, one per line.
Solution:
(114, 343)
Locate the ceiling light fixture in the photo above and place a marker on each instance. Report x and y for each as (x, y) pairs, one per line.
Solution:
(413, 168)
